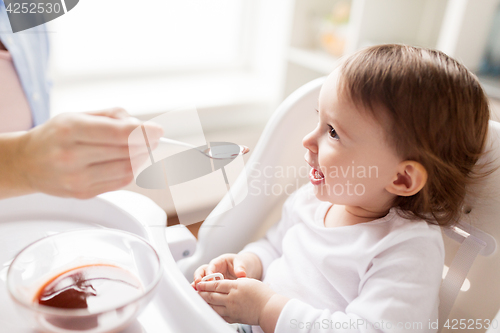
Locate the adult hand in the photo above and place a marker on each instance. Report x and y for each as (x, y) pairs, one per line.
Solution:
(80, 154)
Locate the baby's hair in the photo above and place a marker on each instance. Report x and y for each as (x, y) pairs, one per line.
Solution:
(437, 115)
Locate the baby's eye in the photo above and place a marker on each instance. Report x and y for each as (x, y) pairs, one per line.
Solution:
(333, 133)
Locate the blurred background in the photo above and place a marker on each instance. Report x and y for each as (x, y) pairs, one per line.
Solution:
(236, 60)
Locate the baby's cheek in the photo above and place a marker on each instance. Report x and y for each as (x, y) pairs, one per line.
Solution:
(346, 191)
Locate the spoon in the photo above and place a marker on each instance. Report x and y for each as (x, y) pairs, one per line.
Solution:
(225, 151)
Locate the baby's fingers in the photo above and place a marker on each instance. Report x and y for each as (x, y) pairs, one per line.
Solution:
(212, 268)
(218, 265)
(239, 268)
(199, 274)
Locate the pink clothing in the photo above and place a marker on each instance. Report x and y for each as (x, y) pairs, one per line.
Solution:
(15, 112)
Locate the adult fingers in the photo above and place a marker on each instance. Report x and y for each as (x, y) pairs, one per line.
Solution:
(150, 130)
(109, 131)
(94, 154)
(116, 112)
(92, 129)
(148, 134)
(108, 171)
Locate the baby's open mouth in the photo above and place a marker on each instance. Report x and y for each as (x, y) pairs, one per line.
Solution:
(316, 174)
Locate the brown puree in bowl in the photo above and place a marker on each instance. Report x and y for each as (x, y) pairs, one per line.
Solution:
(92, 287)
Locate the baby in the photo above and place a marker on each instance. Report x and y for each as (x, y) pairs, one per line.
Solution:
(362, 251)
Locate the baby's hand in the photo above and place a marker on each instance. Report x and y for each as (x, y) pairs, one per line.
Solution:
(231, 265)
(237, 301)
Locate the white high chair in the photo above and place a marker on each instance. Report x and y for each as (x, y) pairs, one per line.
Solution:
(279, 148)
(175, 307)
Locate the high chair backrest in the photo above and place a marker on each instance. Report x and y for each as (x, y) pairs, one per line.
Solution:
(270, 178)
(272, 173)
(475, 249)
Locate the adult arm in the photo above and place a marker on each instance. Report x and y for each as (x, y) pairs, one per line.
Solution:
(12, 182)
(72, 155)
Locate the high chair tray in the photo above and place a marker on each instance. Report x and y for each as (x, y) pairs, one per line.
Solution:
(28, 218)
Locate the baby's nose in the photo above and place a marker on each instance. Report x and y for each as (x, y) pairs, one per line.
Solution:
(310, 143)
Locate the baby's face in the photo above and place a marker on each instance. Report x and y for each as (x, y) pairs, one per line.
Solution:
(350, 149)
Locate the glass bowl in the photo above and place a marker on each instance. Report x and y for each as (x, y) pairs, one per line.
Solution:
(86, 281)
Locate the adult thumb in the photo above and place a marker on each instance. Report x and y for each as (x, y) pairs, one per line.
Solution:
(239, 269)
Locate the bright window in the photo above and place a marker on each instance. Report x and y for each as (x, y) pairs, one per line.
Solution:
(100, 38)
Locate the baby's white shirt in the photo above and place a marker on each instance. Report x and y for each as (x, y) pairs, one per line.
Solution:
(369, 277)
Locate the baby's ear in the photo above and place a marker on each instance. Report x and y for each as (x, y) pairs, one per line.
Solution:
(410, 177)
